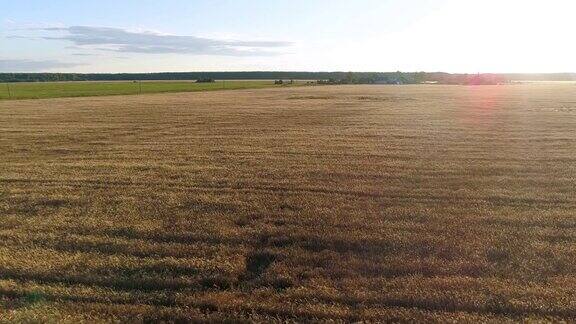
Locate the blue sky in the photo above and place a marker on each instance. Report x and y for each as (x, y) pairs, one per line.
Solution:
(313, 35)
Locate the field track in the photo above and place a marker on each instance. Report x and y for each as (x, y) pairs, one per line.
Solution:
(422, 203)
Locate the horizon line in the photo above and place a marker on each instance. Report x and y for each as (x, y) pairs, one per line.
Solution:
(293, 71)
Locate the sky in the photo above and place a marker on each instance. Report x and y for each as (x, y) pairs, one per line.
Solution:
(458, 36)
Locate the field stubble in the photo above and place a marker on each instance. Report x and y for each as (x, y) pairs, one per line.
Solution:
(422, 203)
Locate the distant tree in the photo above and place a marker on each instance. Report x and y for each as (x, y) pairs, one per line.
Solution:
(205, 80)
(350, 78)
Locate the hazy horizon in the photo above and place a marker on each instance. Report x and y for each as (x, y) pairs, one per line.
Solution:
(300, 71)
(528, 37)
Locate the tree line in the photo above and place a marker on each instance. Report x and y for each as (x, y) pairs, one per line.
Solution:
(350, 77)
(321, 77)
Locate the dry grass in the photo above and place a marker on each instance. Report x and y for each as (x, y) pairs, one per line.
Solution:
(420, 203)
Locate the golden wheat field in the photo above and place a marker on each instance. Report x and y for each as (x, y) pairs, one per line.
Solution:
(338, 203)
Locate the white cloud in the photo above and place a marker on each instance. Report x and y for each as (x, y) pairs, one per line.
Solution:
(121, 40)
(33, 66)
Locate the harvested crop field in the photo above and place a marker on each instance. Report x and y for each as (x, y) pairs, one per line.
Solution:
(347, 203)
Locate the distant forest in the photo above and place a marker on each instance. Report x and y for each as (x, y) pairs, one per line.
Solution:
(322, 77)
